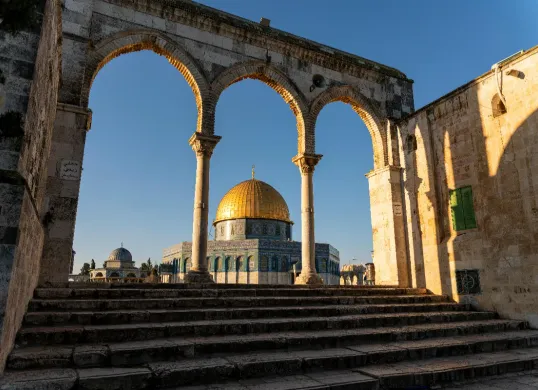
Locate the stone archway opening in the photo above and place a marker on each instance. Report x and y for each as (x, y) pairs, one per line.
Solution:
(341, 189)
(115, 152)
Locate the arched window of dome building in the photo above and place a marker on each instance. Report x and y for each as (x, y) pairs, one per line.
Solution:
(226, 263)
(277, 229)
(284, 264)
(114, 275)
(264, 263)
(251, 263)
(239, 263)
(217, 264)
(323, 265)
(264, 229)
(188, 264)
(274, 263)
(98, 275)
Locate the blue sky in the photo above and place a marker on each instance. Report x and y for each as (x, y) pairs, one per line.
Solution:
(139, 171)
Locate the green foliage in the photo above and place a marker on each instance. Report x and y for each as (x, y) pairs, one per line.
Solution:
(85, 270)
(11, 124)
(18, 15)
(92, 265)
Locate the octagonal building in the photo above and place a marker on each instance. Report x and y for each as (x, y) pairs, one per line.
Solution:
(253, 241)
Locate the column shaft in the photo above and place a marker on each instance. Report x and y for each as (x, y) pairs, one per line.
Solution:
(306, 164)
(203, 146)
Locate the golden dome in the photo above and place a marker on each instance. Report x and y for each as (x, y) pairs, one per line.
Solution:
(253, 199)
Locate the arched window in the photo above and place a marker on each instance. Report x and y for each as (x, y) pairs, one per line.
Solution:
(284, 264)
(274, 263)
(239, 263)
(264, 229)
(323, 265)
(264, 263)
(114, 275)
(251, 263)
(497, 106)
(277, 229)
(98, 275)
(217, 264)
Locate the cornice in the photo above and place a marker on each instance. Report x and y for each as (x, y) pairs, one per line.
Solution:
(210, 19)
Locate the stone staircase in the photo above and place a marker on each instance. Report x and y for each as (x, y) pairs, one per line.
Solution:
(258, 337)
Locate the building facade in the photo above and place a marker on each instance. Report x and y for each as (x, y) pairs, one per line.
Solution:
(253, 242)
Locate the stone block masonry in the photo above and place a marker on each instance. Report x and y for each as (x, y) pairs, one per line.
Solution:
(31, 62)
(480, 245)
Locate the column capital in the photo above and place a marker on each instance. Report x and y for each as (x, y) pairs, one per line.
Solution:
(202, 144)
(306, 162)
(78, 110)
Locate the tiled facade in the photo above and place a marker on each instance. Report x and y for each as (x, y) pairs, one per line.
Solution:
(257, 261)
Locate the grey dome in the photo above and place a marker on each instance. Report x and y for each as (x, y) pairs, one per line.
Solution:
(120, 254)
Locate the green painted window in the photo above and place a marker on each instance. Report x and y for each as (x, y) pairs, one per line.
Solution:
(461, 205)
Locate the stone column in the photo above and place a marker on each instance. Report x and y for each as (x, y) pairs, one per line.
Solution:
(306, 163)
(388, 233)
(203, 146)
(62, 191)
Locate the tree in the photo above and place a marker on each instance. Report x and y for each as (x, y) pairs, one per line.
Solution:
(92, 266)
(85, 270)
(147, 267)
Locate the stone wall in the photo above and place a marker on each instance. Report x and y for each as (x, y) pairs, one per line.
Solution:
(465, 140)
(31, 65)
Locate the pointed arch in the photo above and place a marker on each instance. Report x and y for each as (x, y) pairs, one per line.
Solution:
(137, 40)
(277, 80)
(363, 106)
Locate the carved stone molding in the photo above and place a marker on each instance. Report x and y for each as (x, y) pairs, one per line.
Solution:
(203, 145)
(307, 162)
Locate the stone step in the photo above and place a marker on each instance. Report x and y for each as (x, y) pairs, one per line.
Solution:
(44, 318)
(134, 293)
(427, 372)
(147, 331)
(439, 371)
(340, 326)
(200, 286)
(229, 302)
(173, 349)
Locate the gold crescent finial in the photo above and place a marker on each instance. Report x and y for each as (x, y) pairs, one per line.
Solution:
(253, 168)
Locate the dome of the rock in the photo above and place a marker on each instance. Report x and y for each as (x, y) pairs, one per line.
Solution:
(253, 199)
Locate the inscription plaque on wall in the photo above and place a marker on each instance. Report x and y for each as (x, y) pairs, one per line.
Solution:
(69, 170)
(397, 209)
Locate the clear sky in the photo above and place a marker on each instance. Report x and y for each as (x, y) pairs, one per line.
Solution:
(139, 171)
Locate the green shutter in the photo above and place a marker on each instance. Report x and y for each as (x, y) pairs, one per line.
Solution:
(456, 206)
(468, 209)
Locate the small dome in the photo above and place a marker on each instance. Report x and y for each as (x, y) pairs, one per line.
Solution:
(120, 254)
(253, 199)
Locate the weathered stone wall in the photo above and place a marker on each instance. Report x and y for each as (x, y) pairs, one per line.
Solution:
(31, 62)
(462, 140)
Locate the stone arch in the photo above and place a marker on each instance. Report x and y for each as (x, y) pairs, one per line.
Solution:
(277, 80)
(114, 275)
(137, 40)
(98, 275)
(369, 114)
